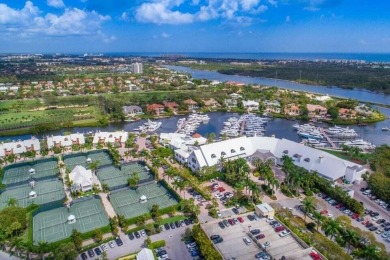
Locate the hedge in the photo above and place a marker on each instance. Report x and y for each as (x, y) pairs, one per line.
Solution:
(206, 247)
(157, 244)
(85, 248)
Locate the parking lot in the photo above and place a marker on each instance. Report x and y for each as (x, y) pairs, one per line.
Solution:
(233, 245)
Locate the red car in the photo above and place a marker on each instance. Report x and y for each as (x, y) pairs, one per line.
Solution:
(315, 255)
(221, 189)
(260, 236)
(324, 212)
(339, 206)
(240, 219)
(231, 222)
(355, 216)
(278, 229)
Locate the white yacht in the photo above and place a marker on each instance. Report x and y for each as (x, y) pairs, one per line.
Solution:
(361, 144)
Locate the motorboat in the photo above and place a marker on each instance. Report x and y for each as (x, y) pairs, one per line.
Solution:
(360, 143)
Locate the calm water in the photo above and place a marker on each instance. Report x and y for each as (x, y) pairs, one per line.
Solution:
(358, 94)
(369, 57)
(281, 128)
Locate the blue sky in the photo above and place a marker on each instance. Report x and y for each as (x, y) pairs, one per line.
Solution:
(194, 26)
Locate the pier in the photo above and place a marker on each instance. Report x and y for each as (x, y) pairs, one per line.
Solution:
(330, 141)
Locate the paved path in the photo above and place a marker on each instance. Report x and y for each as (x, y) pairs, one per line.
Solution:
(107, 205)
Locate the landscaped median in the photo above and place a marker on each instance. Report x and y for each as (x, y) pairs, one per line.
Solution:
(205, 245)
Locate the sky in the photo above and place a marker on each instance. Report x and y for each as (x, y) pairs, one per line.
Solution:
(176, 26)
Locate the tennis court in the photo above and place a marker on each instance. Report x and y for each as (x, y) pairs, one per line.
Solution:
(47, 192)
(116, 178)
(127, 203)
(51, 225)
(19, 173)
(71, 160)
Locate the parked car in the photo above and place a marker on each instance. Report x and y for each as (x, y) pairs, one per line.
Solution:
(240, 219)
(278, 229)
(221, 225)
(247, 241)
(104, 247)
(91, 253)
(250, 217)
(118, 241)
(84, 256)
(131, 236)
(284, 233)
(214, 237)
(98, 251)
(218, 240)
(166, 226)
(255, 231)
(235, 211)
(111, 244)
(136, 234)
(231, 222)
(260, 236)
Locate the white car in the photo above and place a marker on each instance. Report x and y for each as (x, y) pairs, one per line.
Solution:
(266, 244)
(284, 233)
(104, 247)
(111, 244)
(376, 218)
(142, 232)
(219, 214)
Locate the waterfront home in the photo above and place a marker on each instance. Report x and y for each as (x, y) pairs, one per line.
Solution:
(81, 179)
(270, 148)
(131, 111)
(345, 113)
(181, 141)
(250, 105)
(272, 106)
(118, 138)
(322, 98)
(211, 103)
(19, 147)
(292, 110)
(172, 106)
(316, 111)
(363, 110)
(155, 109)
(235, 96)
(65, 140)
(191, 104)
(229, 102)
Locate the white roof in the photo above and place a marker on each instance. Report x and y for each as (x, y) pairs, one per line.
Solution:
(32, 193)
(143, 197)
(247, 103)
(65, 140)
(81, 176)
(110, 137)
(324, 163)
(265, 208)
(71, 217)
(19, 147)
(145, 254)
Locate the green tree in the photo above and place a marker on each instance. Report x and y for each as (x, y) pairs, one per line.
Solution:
(154, 211)
(76, 239)
(133, 180)
(12, 202)
(350, 237)
(331, 228)
(65, 251)
(98, 235)
(309, 205)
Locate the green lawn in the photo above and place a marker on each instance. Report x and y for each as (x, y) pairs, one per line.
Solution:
(361, 158)
(172, 219)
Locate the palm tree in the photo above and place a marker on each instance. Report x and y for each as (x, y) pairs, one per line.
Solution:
(273, 183)
(12, 202)
(308, 205)
(17, 244)
(350, 237)
(42, 248)
(210, 138)
(369, 252)
(331, 227)
(318, 218)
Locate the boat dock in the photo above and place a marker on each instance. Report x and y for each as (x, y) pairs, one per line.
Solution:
(242, 128)
(330, 141)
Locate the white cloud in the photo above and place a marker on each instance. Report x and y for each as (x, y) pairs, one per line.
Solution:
(288, 19)
(125, 16)
(28, 21)
(249, 4)
(56, 3)
(160, 13)
(165, 35)
(273, 2)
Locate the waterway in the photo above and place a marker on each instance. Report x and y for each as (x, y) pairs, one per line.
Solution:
(358, 94)
(281, 128)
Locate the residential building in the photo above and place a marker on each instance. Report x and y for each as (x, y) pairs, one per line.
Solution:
(316, 111)
(181, 141)
(156, 109)
(230, 102)
(272, 106)
(211, 103)
(250, 105)
(191, 104)
(346, 113)
(118, 137)
(323, 98)
(81, 179)
(131, 111)
(292, 110)
(137, 68)
(270, 148)
(235, 96)
(363, 110)
(19, 147)
(145, 254)
(65, 140)
(172, 106)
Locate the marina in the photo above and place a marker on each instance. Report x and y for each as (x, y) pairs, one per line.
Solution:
(149, 127)
(189, 125)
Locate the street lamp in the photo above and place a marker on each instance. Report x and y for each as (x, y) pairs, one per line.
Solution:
(249, 228)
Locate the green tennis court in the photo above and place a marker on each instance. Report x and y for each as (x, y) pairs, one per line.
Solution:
(127, 203)
(47, 192)
(116, 178)
(52, 225)
(19, 173)
(71, 160)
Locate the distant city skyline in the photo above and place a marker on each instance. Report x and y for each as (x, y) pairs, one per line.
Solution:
(174, 26)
